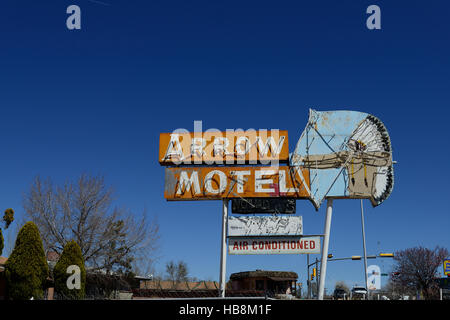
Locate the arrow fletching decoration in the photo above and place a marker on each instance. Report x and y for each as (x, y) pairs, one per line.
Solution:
(348, 154)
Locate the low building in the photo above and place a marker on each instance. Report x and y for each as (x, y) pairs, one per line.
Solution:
(272, 283)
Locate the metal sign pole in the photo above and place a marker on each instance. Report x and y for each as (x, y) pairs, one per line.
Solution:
(364, 249)
(326, 240)
(307, 277)
(223, 253)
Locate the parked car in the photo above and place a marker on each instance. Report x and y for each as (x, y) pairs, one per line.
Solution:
(339, 294)
(359, 293)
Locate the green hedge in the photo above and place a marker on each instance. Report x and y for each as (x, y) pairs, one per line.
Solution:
(26, 268)
(1, 242)
(71, 255)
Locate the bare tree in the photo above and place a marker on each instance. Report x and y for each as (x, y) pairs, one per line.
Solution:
(177, 272)
(144, 264)
(416, 270)
(342, 285)
(10, 237)
(109, 238)
(394, 290)
(8, 218)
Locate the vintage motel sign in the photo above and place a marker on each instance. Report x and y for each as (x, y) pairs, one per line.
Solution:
(247, 226)
(340, 155)
(269, 235)
(230, 147)
(273, 245)
(214, 183)
(348, 155)
(263, 205)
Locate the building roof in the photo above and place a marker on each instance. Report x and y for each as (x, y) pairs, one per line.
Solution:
(274, 275)
(52, 256)
(3, 260)
(2, 263)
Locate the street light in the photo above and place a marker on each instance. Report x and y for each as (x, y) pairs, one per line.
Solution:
(352, 258)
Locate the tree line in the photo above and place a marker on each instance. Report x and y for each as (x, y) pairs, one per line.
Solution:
(27, 270)
(414, 274)
(77, 221)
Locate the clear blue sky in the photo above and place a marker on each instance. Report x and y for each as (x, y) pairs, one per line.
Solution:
(95, 100)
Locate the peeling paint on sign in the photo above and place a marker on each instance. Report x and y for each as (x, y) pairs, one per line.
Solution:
(208, 183)
(340, 154)
(265, 226)
(348, 154)
(264, 205)
(230, 147)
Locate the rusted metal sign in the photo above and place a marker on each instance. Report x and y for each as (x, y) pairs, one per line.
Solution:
(263, 205)
(348, 154)
(265, 226)
(340, 154)
(208, 183)
(230, 147)
(273, 245)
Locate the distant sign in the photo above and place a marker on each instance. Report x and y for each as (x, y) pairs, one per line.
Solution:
(230, 147)
(373, 277)
(263, 205)
(273, 245)
(210, 183)
(265, 226)
(446, 267)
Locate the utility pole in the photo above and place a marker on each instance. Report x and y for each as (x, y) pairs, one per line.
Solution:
(315, 274)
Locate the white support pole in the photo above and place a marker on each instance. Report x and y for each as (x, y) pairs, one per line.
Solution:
(326, 240)
(364, 249)
(223, 249)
